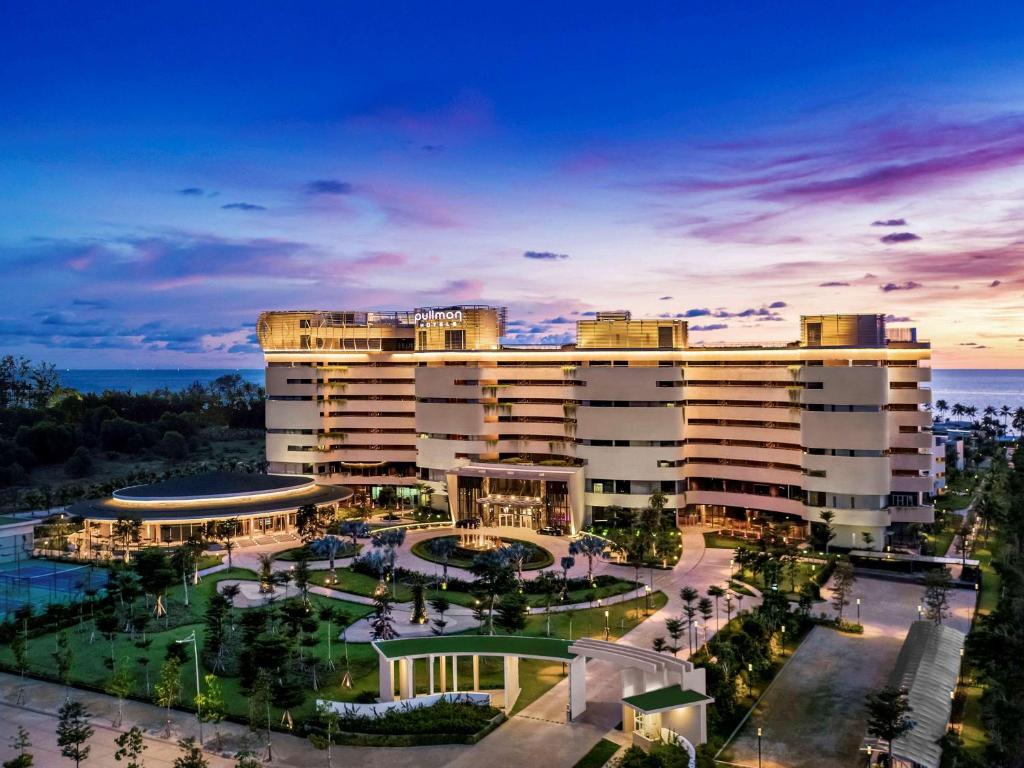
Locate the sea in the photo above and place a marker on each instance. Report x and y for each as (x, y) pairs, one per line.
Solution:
(968, 387)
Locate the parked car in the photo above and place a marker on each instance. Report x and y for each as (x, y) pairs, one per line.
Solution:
(550, 530)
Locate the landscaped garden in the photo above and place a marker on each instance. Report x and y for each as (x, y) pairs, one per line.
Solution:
(268, 664)
(467, 546)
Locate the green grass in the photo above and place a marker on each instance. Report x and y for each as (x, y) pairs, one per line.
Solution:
(294, 554)
(598, 755)
(718, 541)
(358, 584)
(88, 665)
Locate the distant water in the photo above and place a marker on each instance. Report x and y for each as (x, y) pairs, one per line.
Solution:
(979, 387)
(967, 387)
(149, 379)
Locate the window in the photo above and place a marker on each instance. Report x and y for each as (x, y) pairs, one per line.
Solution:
(423, 340)
(814, 334)
(454, 339)
(665, 337)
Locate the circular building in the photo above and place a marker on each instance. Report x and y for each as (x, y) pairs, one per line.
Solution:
(175, 510)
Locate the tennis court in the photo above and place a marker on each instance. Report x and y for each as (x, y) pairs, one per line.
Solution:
(40, 582)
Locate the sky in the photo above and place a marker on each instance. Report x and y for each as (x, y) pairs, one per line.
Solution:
(169, 170)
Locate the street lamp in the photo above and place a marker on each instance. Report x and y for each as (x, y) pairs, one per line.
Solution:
(759, 748)
(783, 639)
(607, 629)
(195, 653)
(647, 599)
(858, 610)
(750, 678)
(919, 612)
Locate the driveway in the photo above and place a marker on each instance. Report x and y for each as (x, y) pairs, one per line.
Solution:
(813, 713)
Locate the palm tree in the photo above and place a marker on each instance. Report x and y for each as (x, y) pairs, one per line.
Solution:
(589, 547)
(567, 562)
(942, 407)
(443, 547)
(971, 411)
(266, 575)
(1018, 420)
(1005, 411)
(957, 410)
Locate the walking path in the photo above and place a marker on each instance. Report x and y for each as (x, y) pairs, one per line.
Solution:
(541, 725)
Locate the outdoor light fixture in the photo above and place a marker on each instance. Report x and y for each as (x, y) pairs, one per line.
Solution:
(758, 748)
(195, 653)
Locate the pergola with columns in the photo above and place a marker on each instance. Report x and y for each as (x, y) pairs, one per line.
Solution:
(662, 697)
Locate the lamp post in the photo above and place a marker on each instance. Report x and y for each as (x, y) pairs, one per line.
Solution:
(919, 612)
(647, 599)
(858, 610)
(758, 748)
(783, 639)
(750, 678)
(195, 653)
(607, 629)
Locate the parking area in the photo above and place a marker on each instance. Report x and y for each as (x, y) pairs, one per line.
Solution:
(813, 714)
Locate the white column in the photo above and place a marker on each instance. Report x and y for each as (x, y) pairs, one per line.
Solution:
(577, 687)
(403, 679)
(476, 672)
(410, 674)
(386, 683)
(511, 682)
(443, 660)
(455, 674)
(430, 675)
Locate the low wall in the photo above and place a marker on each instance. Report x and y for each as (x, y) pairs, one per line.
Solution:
(376, 710)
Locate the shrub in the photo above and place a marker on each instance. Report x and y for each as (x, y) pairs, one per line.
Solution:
(80, 464)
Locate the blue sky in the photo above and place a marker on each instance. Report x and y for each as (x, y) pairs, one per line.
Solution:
(172, 169)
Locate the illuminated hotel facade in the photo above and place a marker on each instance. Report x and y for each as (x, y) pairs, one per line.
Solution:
(559, 435)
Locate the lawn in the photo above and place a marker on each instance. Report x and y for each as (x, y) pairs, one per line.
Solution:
(91, 651)
(360, 584)
(598, 755)
(295, 554)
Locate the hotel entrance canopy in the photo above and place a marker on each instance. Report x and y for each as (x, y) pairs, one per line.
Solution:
(524, 495)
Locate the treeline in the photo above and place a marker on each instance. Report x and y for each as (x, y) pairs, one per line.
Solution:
(996, 646)
(42, 423)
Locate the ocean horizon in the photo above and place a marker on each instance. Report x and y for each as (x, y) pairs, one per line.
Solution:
(978, 387)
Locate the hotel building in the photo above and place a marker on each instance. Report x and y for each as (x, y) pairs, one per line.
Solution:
(560, 435)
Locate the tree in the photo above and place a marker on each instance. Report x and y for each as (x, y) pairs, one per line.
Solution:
(260, 699)
(443, 547)
(493, 577)
(517, 554)
(191, 755)
(826, 517)
(512, 612)
(173, 445)
(168, 689)
(63, 657)
(328, 717)
(79, 464)
(589, 547)
(382, 625)
(119, 685)
(689, 596)
(155, 575)
(547, 586)
(675, 629)
(354, 529)
(567, 562)
(311, 521)
(20, 743)
(246, 758)
(440, 606)
(888, 715)
(936, 594)
(210, 706)
(301, 576)
(704, 607)
(266, 573)
(716, 592)
(842, 588)
(418, 587)
(329, 547)
(130, 746)
(942, 407)
(74, 731)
